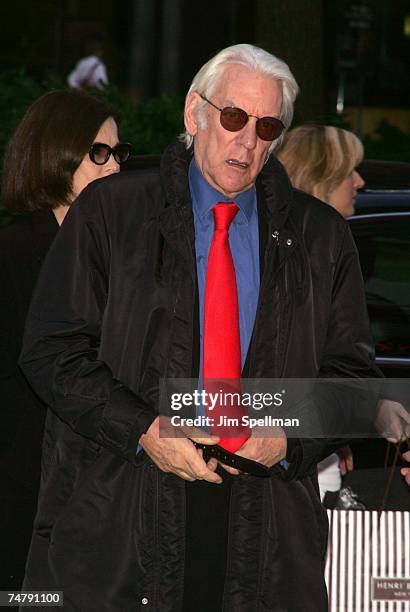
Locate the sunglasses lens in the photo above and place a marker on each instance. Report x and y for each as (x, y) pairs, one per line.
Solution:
(269, 128)
(122, 152)
(100, 153)
(233, 119)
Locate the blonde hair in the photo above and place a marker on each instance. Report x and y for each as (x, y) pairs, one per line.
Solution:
(318, 158)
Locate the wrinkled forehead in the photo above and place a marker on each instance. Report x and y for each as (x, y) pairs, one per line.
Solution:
(239, 86)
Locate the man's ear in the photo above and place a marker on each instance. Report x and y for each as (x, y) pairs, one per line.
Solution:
(190, 113)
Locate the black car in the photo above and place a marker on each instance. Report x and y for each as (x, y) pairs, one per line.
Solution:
(381, 228)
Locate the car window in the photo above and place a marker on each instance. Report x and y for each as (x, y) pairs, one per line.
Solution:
(384, 249)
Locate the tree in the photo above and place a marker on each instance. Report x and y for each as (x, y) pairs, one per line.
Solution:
(292, 30)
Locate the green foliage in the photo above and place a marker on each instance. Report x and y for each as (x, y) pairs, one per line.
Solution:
(5, 218)
(150, 125)
(389, 143)
(17, 92)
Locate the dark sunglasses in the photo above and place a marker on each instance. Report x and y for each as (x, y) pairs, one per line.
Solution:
(234, 119)
(100, 153)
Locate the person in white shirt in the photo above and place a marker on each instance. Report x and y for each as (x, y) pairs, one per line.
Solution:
(90, 71)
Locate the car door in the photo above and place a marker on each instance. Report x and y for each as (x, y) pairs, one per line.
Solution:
(383, 241)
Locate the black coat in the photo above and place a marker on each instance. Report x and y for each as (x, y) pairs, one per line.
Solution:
(23, 246)
(110, 526)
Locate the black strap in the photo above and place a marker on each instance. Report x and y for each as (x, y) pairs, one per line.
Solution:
(240, 463)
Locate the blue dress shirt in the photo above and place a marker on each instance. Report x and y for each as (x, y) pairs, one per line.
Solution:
(244, 244)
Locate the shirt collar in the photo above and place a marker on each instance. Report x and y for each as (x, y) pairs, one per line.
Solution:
(204, 196)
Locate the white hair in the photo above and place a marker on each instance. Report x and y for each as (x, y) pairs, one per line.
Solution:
(253, 58)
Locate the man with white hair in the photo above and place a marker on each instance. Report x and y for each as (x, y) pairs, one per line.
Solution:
(213, 267)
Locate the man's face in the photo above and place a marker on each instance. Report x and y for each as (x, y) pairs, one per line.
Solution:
(231, 161)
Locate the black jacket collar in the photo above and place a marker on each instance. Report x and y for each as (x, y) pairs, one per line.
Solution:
(273, 181)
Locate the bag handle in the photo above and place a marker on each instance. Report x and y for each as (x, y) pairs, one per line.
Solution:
(398, 450)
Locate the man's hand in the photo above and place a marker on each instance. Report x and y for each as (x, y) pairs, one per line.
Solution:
(261, 448)
(392, 421)
(178, 454)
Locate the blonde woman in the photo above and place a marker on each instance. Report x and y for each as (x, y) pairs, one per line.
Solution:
(322, 160)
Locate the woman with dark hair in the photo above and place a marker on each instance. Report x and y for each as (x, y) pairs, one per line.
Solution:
(65, 140)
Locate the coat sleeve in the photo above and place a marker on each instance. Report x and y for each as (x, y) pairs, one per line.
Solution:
(348, 353)
(63, 330)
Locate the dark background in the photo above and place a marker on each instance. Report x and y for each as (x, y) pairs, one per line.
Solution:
(155, 46)
(350, 58)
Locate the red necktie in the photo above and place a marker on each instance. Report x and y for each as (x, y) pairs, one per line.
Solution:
(222, 347)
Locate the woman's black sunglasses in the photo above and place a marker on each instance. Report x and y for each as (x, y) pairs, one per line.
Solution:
(234, 119)
(100, 152)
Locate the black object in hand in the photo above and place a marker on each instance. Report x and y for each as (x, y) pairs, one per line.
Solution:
(240, 463)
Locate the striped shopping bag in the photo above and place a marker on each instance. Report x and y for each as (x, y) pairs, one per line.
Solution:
(368, 561)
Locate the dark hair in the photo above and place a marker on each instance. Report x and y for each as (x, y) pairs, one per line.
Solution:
(47, 147)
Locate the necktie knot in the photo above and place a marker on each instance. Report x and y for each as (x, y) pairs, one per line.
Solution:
(224, 213)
